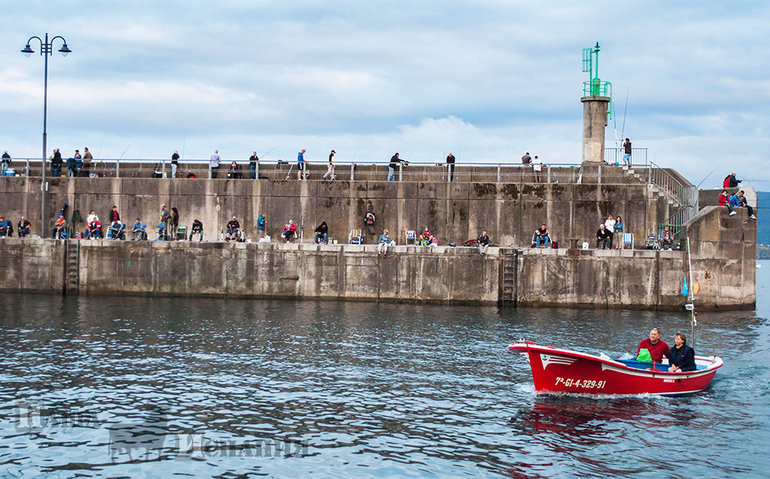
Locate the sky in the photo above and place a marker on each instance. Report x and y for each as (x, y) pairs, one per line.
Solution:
(485, 80)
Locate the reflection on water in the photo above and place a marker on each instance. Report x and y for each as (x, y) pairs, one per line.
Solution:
(139, 386)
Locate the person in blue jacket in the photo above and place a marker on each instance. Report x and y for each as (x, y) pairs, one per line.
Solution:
(682, 356)
(261, 225)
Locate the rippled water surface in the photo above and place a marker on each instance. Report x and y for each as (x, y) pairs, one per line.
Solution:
(139, 387)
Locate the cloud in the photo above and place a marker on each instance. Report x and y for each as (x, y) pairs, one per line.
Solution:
(482, 79)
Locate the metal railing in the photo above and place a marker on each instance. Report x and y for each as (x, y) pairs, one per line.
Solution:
(278, 170)
(613, 155)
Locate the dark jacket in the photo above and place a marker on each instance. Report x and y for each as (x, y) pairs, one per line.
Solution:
(683, 357)
(56, 161)
(483, 240)
(603, 234)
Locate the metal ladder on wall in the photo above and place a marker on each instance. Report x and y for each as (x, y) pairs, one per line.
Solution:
(71, 266)
(507, 296)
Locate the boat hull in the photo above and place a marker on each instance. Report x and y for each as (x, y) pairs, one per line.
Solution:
(559, 370)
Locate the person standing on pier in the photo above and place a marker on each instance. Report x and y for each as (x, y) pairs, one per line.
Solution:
(253, 159)
(394, 162)
(627, 152)
(330, 167)
(450, 165)
(609, 225)
(537, 167)
(174, 163)
(526, 159)
(78, 163)
(56, 163)
(214, 163)
(301, 164)
(6, 163)
(165, 215)
(87, 157)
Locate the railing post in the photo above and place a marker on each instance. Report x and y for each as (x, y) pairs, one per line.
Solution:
(599, 175)
(498, 172)
(256, 171)
(117, 168)
(352, 171)
(400, 170)
(649, 174)
(549, 173)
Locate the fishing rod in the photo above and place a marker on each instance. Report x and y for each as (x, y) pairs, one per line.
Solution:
(706, 177)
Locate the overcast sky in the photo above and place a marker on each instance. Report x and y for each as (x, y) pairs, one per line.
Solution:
(485, 80)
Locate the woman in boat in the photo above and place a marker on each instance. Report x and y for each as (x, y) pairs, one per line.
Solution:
(682, 357)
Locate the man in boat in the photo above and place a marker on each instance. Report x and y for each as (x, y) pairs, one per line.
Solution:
(655, 346)
(682, 357)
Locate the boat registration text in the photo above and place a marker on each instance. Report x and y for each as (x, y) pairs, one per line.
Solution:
(580, 383)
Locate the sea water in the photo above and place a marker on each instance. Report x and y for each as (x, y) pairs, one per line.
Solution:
(152, 387)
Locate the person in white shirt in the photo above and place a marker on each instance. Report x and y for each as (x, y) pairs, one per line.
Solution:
(214, 163)
(609, 225)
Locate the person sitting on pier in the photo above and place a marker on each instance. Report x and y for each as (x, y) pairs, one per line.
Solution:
(383, 243)
(541, 235)
(94, 229)
(666, 238)
(117, 230)
(682, 357)
(656, 347)
(483, 242)
(60, 230)
(322, 233)
(197, 229)
(6, 229)
(745, 204)
(234, 171)
(233, 230)
(426, 237)
(602, 237)
(139, 230)
(724, 200)
(289, 231)
(23, 227)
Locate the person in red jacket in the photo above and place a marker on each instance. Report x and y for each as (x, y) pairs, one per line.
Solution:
(655, 346)
(724, 200)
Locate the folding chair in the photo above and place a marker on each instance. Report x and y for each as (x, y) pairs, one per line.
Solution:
(355, 237)
(410, 237)
(628, 239)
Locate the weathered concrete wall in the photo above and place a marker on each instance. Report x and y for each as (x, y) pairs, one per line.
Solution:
(594, 121)
(456, 211)
(597, 279)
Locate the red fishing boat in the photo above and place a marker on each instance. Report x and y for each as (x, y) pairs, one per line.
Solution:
(557, 370)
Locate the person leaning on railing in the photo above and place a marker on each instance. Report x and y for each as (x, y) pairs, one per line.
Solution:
(56, 163)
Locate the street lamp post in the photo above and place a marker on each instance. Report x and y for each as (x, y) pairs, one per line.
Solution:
(46, 49)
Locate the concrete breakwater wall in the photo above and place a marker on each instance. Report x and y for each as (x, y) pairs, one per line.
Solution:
(510, 212)
(583, 278)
